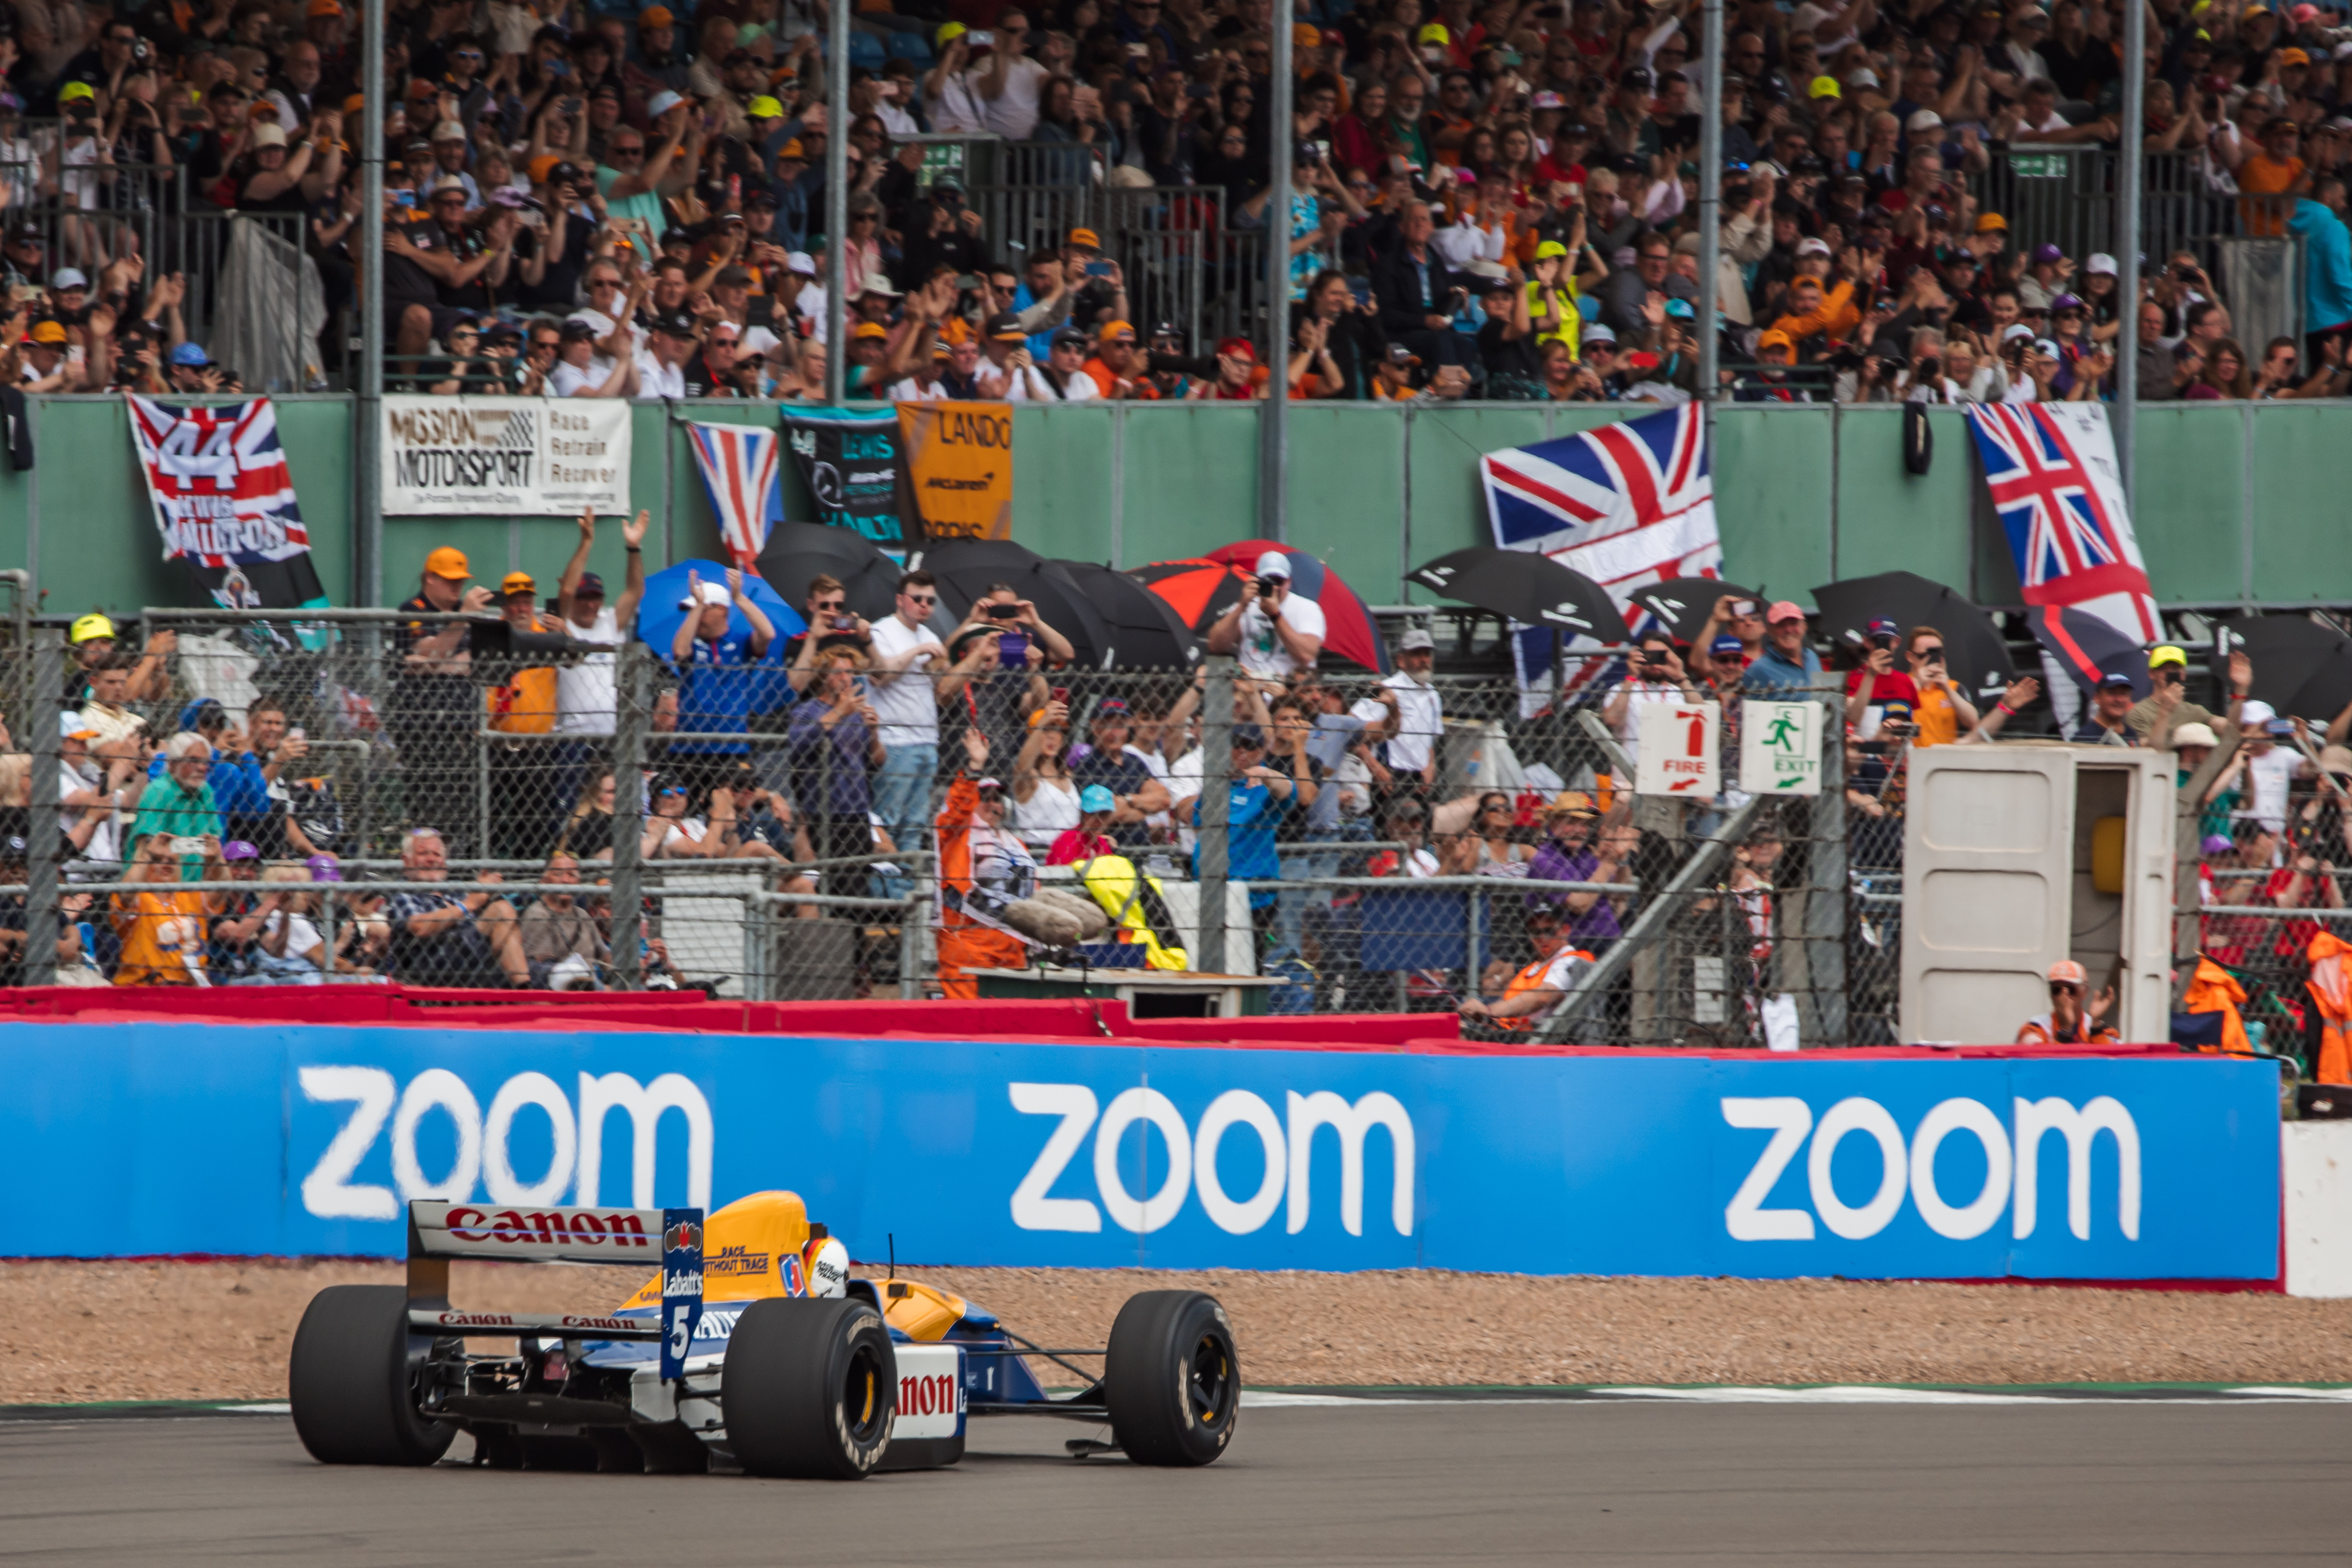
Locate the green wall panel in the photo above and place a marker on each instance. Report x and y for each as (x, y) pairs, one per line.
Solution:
(2192, 489)
(1374, 490)
(1191, 475)
(1061, 471)
(1449, 509)
(2300, 509)
(1889, 519)
(1773, 497)
(1347, 494)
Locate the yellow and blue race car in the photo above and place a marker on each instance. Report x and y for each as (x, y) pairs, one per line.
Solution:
(751, 1349)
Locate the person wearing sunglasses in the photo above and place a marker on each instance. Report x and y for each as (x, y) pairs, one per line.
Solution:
(2069, 1022)
(2155, 717)
(1942, 709)
(908, 663)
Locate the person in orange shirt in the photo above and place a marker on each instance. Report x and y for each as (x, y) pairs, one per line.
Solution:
(2068, 1022)
(2271, 179)
(164, 931)
(1943, 711)
(1815, 309)
(1118, 365)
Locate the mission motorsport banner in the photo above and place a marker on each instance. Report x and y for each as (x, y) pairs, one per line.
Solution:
(960, 457)
(224, 502)
(505, 457)
(853, 461)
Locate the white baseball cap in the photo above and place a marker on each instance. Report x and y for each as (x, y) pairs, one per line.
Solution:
(1924, 120)
(2253, 715)
(1812, 245)
(2100, 264)
(712, 594)
(1274, 563)
(802, 262)
(2016, 330)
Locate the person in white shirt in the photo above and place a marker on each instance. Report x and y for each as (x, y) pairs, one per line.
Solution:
(1656, 675)
(576, 372)
(1063, 378)
(1415, 712)
(2270, 768)
(1275, 631)
(661, 363)
(911, 679)
(1008, 83)
(586, 700)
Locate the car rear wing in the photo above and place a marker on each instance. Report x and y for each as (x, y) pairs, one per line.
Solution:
(666, 1239)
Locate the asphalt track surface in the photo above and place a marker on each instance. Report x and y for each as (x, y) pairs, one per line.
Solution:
(2074, 1483)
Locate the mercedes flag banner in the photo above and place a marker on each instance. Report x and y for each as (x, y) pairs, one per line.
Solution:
(854, 463)
(224, 502)
(505, 457)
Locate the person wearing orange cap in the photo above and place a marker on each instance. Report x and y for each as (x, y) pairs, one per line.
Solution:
(1776, 351)
(2069, 1022)
(1118, 363)
(435, 707)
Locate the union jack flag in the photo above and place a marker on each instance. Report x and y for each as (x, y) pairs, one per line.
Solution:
(1627, 504)
(739, 466)
(2056, 484)
(225, 500)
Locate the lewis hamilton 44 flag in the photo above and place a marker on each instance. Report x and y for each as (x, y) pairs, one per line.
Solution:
(1627, 504)
(741, 465)
(2056, 483)
(224, 502)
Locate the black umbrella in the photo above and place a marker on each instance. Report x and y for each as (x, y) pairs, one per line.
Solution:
(2290, 653)
(1973, 650)
(1531, 589)
(1682, 605)
(969, 568)
(1146, 633)
(797, 551)
(2087, 647)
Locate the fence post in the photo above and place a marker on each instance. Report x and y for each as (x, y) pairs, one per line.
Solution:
(1826, 900)
(43, 843)
(629, 731)
(914, 918)
(1216, 800)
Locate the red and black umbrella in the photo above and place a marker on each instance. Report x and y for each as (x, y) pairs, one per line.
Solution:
(2087, 648)
(1203, 588)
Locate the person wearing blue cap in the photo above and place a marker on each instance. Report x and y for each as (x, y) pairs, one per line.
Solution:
(2105, 724)
(192, 369)
(1091, 837)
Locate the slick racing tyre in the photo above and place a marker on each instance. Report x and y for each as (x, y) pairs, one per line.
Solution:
(354, 1379)
(808, 1388)
(1171, 1379)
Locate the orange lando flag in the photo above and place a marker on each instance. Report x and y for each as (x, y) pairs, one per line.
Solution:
(959, 462)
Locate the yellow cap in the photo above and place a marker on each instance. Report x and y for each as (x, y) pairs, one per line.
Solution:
(91, 627)
(1824, 87)
(1433, 33)
(946, 32)
(2164, 655)
(76, 90)
(517, 583)
(449, 562)
(1550, 248)
(762, 107)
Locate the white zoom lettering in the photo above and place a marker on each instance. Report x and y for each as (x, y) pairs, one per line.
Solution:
(328, 1191)
(1032, 1209)
(2011, 1178)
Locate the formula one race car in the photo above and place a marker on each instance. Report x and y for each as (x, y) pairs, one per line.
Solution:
(753, 1349)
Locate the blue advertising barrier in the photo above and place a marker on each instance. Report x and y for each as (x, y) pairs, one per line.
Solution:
(131, 1139)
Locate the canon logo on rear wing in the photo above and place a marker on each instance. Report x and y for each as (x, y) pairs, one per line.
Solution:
(548, 1235)
(534, 1323)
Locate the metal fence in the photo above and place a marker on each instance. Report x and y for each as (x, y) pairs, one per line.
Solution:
(378, 804)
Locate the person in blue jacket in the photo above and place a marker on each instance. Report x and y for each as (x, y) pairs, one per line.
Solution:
(2326, 264)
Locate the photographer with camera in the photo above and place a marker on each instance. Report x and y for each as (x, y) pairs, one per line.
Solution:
(1275, 632)
(1654, 675)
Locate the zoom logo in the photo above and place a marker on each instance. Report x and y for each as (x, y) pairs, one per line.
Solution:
(2012, 1161)
(1121, 1152)
(480, 1153)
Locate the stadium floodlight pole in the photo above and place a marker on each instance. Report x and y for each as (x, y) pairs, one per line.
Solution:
(1274, 413)
(367, 445)
(836, 201)
(2135, 166)
(1710, 207)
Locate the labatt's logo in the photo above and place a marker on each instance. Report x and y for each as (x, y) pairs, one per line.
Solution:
(685, 1234)
(681, 1283)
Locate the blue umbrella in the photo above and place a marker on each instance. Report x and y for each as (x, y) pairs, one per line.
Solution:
(660, 611)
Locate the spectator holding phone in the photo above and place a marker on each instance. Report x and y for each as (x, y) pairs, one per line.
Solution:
(180, 805)
(1275, 632)
(1655, 675)
(1942, 709)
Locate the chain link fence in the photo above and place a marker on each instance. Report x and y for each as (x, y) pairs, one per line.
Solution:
(450, 799)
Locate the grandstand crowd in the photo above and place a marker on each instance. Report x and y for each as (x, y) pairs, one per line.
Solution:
(1494, 200)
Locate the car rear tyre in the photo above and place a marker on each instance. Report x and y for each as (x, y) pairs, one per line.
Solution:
(1171, 1379)
(809, 1387)
(353, 1380)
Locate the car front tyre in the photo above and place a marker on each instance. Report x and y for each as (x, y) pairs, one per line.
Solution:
(1172, 1378)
